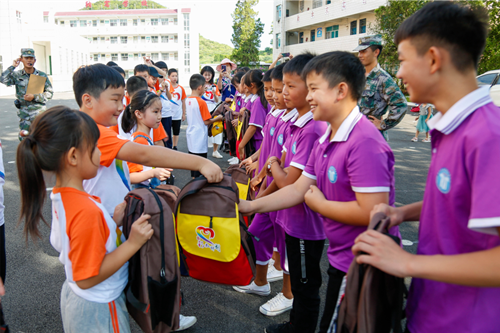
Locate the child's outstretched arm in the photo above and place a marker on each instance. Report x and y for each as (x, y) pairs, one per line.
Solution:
(248, 135)
(167, 158)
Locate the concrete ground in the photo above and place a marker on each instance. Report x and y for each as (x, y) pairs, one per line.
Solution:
(35, 275)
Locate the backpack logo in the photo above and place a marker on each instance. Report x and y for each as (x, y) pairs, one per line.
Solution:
(204, 236)
(280, 139)
(332, 175)
(294, 148)
(443, 181)
(272, 131)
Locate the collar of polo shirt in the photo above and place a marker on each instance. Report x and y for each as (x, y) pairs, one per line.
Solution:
(302, 121)
(276, 113)
(345, 128)
(289, 115)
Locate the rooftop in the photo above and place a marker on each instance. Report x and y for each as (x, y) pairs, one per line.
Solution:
(114, 12)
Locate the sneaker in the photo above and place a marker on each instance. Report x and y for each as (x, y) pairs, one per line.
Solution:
(252, 288)
(185, 322)
(273, 274)
(415, 139)
(276, 305)
(216, 154)
(286, 327)
(232, 159)
(234, 162)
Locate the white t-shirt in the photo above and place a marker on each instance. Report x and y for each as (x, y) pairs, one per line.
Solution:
(178, 96)
(197, 132)
(128, 135)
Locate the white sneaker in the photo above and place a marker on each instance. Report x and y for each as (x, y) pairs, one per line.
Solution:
(234, 162)
(232, 159)
(185, 322)
(273, 274)
(252, 288)
(216, 154)
(276, 305)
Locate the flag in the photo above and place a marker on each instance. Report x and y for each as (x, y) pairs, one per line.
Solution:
(106, 3)
(88, 4)
(144, 2)
(125, 3)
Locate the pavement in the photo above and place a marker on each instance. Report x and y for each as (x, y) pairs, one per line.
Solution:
(35, 275)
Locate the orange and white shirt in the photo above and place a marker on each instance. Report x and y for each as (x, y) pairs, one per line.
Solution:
(112, 182)
(211, 90)
(143, 139)
(178, 95)
(197, 132)
(83, 233)
(157, 134)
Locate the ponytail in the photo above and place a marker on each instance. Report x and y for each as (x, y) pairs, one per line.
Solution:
(128, 120)
(255, 76)
(140, 101)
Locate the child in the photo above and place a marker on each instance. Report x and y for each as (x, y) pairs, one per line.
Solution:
(231, 129)
(178, 107)
(456, 275)
(95, 261)
(424, 115)
(258, 110)
(198, 118)
(211, 97)
(144, 113)
(341, 165)
(142, 71)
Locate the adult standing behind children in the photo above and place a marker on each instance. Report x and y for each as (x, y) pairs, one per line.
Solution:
(224, 81)
(381, 95)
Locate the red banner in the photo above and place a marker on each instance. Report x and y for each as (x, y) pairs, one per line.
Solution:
(88, 4)
(106, 3)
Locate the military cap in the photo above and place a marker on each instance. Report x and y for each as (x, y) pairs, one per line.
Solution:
(365, 42)
(28, 53)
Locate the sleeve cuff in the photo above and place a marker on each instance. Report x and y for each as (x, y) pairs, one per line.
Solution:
(308, 175)
(375, 189)
(485, 225)
(298, 166)
(256, 125)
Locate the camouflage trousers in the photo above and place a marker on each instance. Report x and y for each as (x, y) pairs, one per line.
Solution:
(26, 117)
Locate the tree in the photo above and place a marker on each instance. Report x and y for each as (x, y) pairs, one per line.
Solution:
(212, 52)
(389, 17)
(247, 30)
(118, 4)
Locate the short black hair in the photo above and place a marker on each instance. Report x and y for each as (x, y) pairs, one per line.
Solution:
(119, 69)
(267, 75)
(459, 29)
(141, 68)
(94, 79)
(375, 48)
(297, 63)
(336, 67)
(277, 73)
(161, 65)
(236, 79)
(195, 81)
(111, 63)
(135, 84)
(242, 69)
(172, 70)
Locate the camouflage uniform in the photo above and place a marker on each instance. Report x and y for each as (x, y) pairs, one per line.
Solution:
(28, 110)
(381, 94)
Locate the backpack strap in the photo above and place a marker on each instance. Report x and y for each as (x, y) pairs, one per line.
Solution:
(151, 143)
(162, 235)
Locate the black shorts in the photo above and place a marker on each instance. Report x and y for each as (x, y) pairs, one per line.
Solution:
(197, 173)
(176, 127)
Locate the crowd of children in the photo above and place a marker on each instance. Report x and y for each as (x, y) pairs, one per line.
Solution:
(320, 169)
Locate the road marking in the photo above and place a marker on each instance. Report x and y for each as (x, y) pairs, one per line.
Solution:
(11, 162)
(7, 126)
(49, 189)
(407, 242)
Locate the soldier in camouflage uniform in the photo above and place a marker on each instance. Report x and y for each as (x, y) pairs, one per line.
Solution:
(381, 95)
(30, 105)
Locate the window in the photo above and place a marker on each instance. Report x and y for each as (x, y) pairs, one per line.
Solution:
(103, 56)
(186, 22)
(332, 32)
(143, 21)
(154, 39)
(175, 21)
(328, 2)
(123, 39)
(313, 35)
(301, 5)
(102, 40)
(154, 21)
(175, 39)
(278, 41)
(317, 3)
(113, 23)
(164, 21)
(45, 19)
(96, 57)
(186, 41)
(143, 39)
(486, 80)
(123, 23)
(136, 39)
(278, 12)
(94, 40)
(136, 56)
(134, 22)
(114, 56)
(301, 37)
(165, 56)
(187, 59)
(73, 23)
(164, 39)
(124, 56)
(114, 40)
(83, 23)
(353, 27)
(101, 23)
(154, 56)
(94, 23)
(362, 26)
(176, 56)
(61, 22)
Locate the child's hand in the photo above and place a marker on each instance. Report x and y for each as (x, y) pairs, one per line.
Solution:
(250, 168)
(246, 162)
(183, 117)
(141, 231)
(314, 198)
(2, 288)
(119, 213)
(245, 207)
(162, 173)
(270, 162)
(255, 182)
(241, 151)
(234, 123)
(395, 214)
(211, 171)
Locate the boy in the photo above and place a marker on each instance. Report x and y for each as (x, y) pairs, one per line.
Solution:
(198, 118)
(142, 71)
(340, 165)
(99, 91)
(178, 105)
(456, 272)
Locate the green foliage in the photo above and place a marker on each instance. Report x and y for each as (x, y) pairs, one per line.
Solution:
(118, 4)
(266, 55)
(247, 30)
(389, 17)
(212, 52)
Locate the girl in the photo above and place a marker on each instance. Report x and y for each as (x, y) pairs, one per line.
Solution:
(144, 111)
(211, 97)
(64, 141)
(258, 111)
(178, 105)
(424, 115)
(238, 99)
(245, 103)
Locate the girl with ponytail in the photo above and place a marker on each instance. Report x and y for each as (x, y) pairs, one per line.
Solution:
(144, 111)
(63, 141)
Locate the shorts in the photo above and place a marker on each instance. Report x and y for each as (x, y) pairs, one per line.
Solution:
(176, 127)
(195, 174)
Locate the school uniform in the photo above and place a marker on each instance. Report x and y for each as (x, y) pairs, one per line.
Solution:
(356, 160)
(83, 232)
(197, 132)
(178, 96)
(143, 139)
(157, 134)
(209, 97)
(257, 118)
(460, 214)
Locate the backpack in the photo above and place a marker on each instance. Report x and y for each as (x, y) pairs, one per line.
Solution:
(242, 180)
(373, 300)
(153, 290)
(214, 242)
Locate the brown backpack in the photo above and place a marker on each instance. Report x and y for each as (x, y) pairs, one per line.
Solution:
(242, 180)
(373, 300)
(153, 291)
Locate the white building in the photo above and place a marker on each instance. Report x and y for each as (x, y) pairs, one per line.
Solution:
(321, 26)
(59, 52)
(125, 36)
